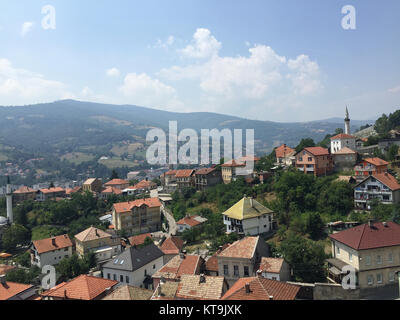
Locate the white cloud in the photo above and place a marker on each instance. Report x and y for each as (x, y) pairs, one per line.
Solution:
(113, 72)
(203, 45)
(166, 43)
(305, 76)
(141, 89)
(26, 27)
(394, 90)
(19, 86)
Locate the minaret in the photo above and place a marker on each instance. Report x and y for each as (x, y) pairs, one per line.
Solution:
(9, 202)
(347, 122)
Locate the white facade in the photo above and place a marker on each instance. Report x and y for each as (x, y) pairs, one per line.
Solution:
(252, 226)
(134, 278)
(50, 258)
(339, 144)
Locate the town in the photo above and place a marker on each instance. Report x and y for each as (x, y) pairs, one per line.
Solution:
(316, 221)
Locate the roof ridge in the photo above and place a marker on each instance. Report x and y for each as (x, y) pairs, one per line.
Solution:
(362, 234)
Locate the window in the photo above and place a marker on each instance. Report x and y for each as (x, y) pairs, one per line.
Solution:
(115, 277)
(379, 278)
(391, 276)
(121, 278)
(390, 258)
(309, 159)
(370, 279)
(225, 270)
(379, 259)
(236, 271)
(367, 260)
(154, 266)
(127, 279)
(337, 250)
(145, 272)
(350, 257)
(246, 271)
(108, 276)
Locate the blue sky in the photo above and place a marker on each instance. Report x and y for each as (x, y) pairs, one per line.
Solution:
(280, 60)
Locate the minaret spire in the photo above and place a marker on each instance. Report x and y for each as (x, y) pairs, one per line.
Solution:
(347, 122)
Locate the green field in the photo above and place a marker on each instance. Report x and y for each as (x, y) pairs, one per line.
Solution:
(130, 149)
(77, 157)
(117, 163)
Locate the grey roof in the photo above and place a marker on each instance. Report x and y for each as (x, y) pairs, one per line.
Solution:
(134, 258)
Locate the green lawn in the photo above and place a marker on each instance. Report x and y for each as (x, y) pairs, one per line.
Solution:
(77, 157)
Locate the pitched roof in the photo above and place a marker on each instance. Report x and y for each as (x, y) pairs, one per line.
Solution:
(388, 180)
(144, 184)
(178, 266)
(129, 293)
(317, 151)
(283, 151)
(172, 245)
(92, 233)
(191, 221)
(212, 262)
(10, 289)
(234, 163)
(83, 287)
(46, 245)
(364, 237)
(184, 173)
(190, 287)
(343, 136)
(128, 206)
(345, 150)
(171, 173)
(139, 239)
(376, 161)
(134, 258)
(112, 190)
(204, 171)
(24, 189)
(90, 181)
(248, 158)
(261, 289)
(4, 269)
(243, 248)
(168, 291)
(271, 265)
(114, 182)
(247, 208)
(73, 190)
(51, 190)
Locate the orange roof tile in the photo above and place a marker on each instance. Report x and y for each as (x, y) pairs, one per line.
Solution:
(127, 206)
(204, 171)
(190, 287)
(190, 221)
(233, 163)
(317, 151)
(92, 233)
(184, 173)
(388, 180)
(10, 289)
(52, 190)
(4, 268)
(177, 267)
(343, 136)
(172, 245)
(171, 173)
(46, 245)
(377, 161)
(24, 190)
(115, 182)
(139, 239)
(83, 287)
(283, 151)
(271, 265)
(243, 248)
(112, 190)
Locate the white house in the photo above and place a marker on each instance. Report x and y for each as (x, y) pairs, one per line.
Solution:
(341, 141)
(189, 222)
(248, 217)
(51, 251)
(274, 269)
(135, 266)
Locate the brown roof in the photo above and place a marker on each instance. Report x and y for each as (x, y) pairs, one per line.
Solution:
(283, 151)
(184, 173)
(128, 206)
(139, 239)
(243, 248)
(144, 184)
(51, 190)
(112, 190)
(46, 245)
(129, 293)
(343, 136)
(364, 237)
(204, 171)
(377, 161)
(90, 181)
(317, 151)
(345, 150)
(271, 265)
(24, 190)
(73, 190)
(92, 233)
(261, 289)
(233, 163)
(4, 269)
(178, 266)
(171, 173)
(83, 287)
(172, 245)
(10, 289)
(388, 180)
(190, 221)
(248, 158)
(212, 262)
(190, 287)
(116, 182)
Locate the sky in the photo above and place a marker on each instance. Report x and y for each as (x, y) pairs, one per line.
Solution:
(277, 60)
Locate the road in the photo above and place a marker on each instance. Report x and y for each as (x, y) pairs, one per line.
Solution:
(171, 221)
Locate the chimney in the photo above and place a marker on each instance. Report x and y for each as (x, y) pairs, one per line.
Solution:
(202, 278)
(159, 291)
(3, 279)
(247, 286)
(53, 241)
(385, 224)
(259, 272)
(65, 294)
(97, 233)
(370, 221)
(271, 297)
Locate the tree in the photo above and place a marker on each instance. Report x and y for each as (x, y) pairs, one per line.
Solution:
(338, 131)
(15, 235)
(392, 152)
(305, 143)
(24, 260)
(114, 175)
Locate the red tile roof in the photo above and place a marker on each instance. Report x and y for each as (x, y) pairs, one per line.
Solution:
(112, 190)
(261, 289)
(283, 151)
(248, 158)
(144, 184)
(184, 173)
(377, 161)
(271, 265)
(115, 182)
(364, 237)
(10, 289)
(204, 171)
(127, 206)
(343, 136)
(177, 266)
(25, 190)
(243, 248)
(171, 173)
(4, 268)
(233, 163)
(46, 245)
(388, 180)
(317, 151)
(190, 287)
(212, 262)
(172, 245)
(81, 288)
(51, 190)
(190, 221)
(139, 239)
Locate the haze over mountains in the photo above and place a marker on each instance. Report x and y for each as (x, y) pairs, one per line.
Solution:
(69, 125)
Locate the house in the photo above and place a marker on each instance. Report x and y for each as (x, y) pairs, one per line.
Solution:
(168, 180)
(129, 293)
(69, 192)
(139, 239)
(141, 187)
(185, 178)
(166, 290)
(178, 266)
(50, 194)
(385, 144)
(381, 186)
(51, 251)
(132, 175)
(23, 194)
(285, 155)
(4, 269)
(117, 183)
(83, 287)
(274, 269)
(234, 168)
(242, 258)
(248, 217)
(201, 287)
(211, 265)
(341, 141)
(314, 160)
(93, 185)
(370, 166)
(135, 266)
(138, 216)
(189, 222)
(259, 288)
(207, 177)
(372, 249)
(109, 191)
(344, 159)
(103, 244)
(15, 291)
(171, 247)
